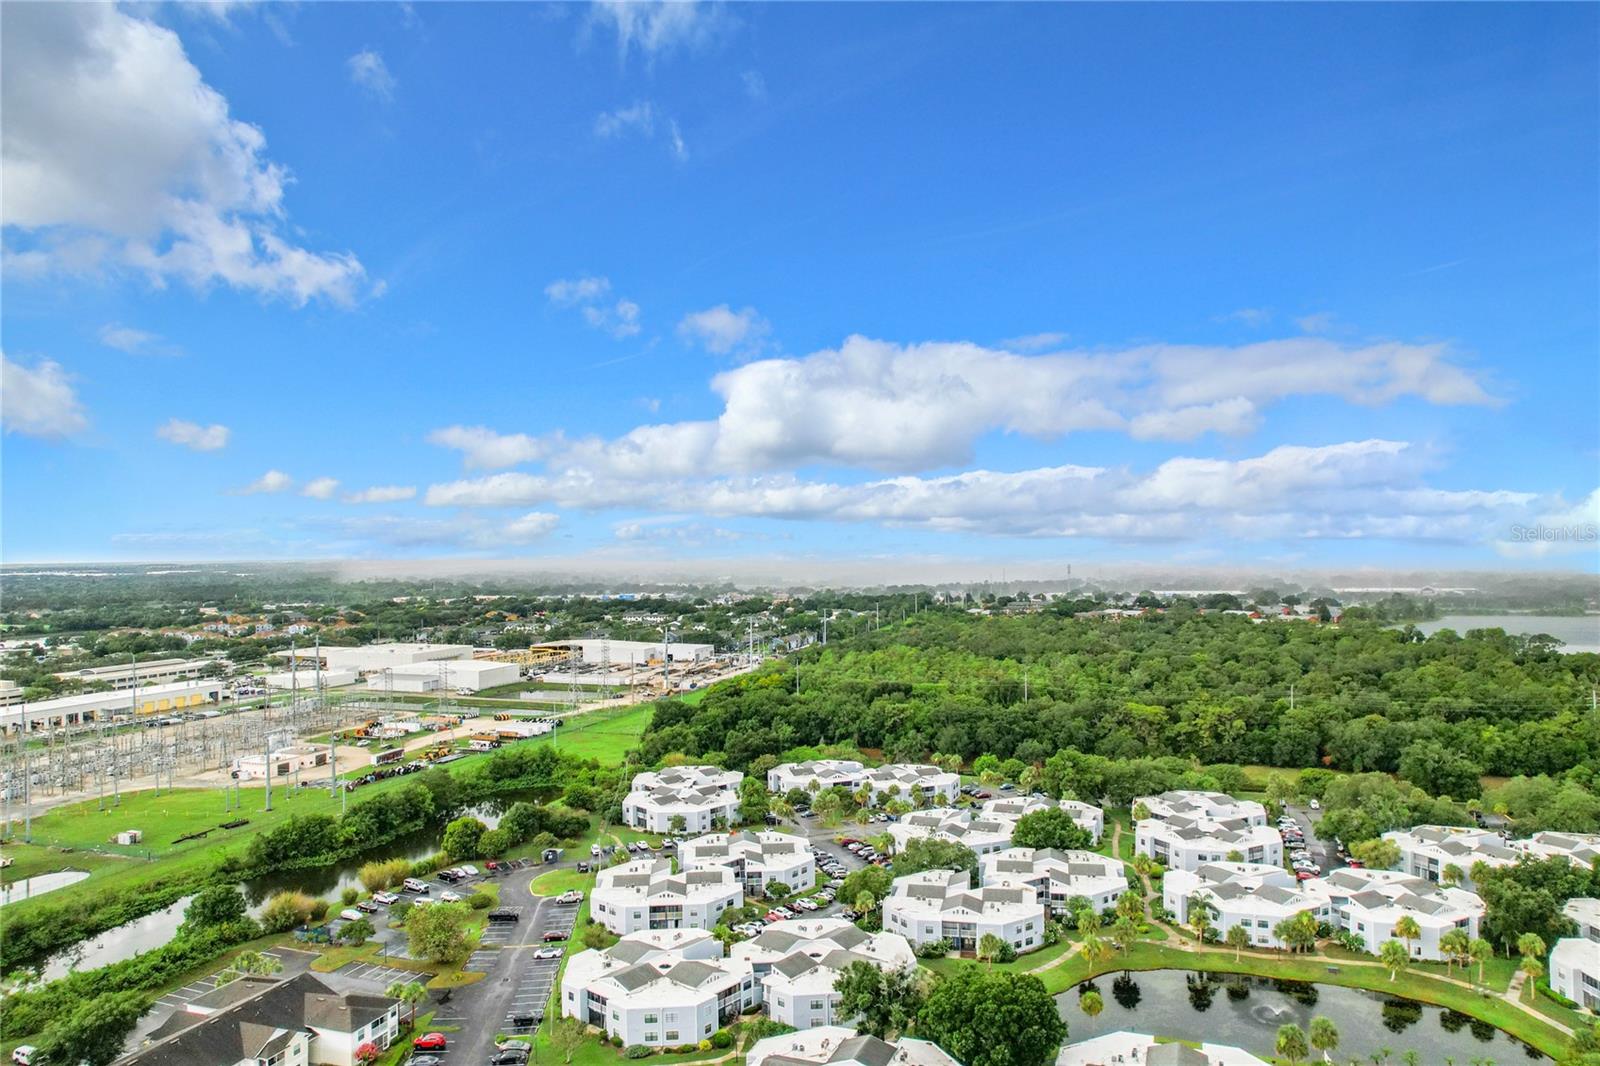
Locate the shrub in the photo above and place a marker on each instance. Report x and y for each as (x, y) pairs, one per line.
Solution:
(398, 912)
(494, 842)
(704, 1045)
(285, 910)
(721, 1039)
(349, 896)
(377, 876)
(480, 900)
(319, 910)
(933, 949)
(638, 1051)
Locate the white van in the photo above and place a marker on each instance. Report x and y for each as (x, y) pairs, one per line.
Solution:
(411, 884)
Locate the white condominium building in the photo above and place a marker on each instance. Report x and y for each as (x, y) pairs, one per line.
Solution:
(896, 780)
(1583, 849)
(1057, 877)
(757, 859)
(1253, 895)
(1426, 851)
(646, 894)
(1087, 816)
(943, 905)
(1370, 903)
(958, 825)
(698, 794)
(1138, 1049)
(1187, 830)
(658, 988)
(797, 964)
(1586, 913)
(1575, 971)
(836, 1045)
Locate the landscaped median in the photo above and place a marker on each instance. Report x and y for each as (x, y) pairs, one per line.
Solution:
(1484, 1006)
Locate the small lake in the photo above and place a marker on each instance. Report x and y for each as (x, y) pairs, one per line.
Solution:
(39, 884)
(1246, 1012)
(1576, 632)
(326, 882)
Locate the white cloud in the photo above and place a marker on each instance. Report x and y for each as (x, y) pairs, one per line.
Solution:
(369, 71)
(1232, 417)
(1254, 317)
(321, 488)
(470, 532)
(1034, 342)
(126, 338)
(271, 481)
(1316, 322)
(655, 27)
(118, 155)
(592, 297)
(571, 292)
(39, 401)
(680, 150)
(484, 449)
(1370, 488)
(382, 494)
(193, 435)
(532, 526)
(640, 117)
(724, 331)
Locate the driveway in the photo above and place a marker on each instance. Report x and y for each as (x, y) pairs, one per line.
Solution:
(1322, 851)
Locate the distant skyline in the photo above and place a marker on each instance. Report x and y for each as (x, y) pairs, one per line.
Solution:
(774, 287)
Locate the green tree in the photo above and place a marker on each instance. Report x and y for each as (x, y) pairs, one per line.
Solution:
(1124, 933)
(1237, 938)
(1094, 949)
(463, 837)
(1050, 828)
(410, 993)
(567, 1035)
(257, 964)
(993, 1019)
(990, 948)
(1091, 1003)
(1291, 1043)
(1394, 957)
(1531, 946)
(1480, 951)
(885, 1001)
(1376, 854)
(873, 880)
(438, 933)
(357, 932)
(1440, 770)
(1323, 1035)
(929, 853)
(753, 803)
(777, 889)
(286, 910)
(1454, 945)
(216, 905)
(93, 1031)
(1408, 930)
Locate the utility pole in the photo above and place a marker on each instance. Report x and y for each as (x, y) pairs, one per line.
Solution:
(27, 787)
(666, 661)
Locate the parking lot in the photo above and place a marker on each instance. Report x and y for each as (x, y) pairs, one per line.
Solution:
(535, 978)
(1322, 852)
(378, 974)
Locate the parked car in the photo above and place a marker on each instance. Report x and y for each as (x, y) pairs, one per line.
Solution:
(447, 896)
(514, 1041)
(554, 936)
(366, 906)
(509, 1057)
(424, 1060)
(547, 953)
(23, 1055)
(1316, 805)
(411, 884)
(505, 914)
(385, 898)
(430, 1042)
(350, 914)
(571, 897)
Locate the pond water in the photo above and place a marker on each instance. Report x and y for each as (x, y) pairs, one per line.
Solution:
(327, 882)
(1576, 632)
(39, 884)
(1246, 1012)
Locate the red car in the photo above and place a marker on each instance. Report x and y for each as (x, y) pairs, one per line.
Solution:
(429, 1042)
(552, 936)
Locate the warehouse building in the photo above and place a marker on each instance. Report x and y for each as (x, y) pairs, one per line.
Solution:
(444, 675)
(373, 657)
(638, 652)
(306, 680)
(125, 675)
(69, 712)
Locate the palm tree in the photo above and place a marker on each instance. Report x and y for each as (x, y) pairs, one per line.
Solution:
(1093, 949)
(1238, 939)
(1531, 946)
(1124, 931)
(990, 947)
(1200, 913)
(1324, 1035)
(1532, 967)
(1140, 812)
(1480, 951)
(1451, 876)
(1408, 930)
(1394, 957)
(1453, 946)
(1291, 1043)
(1091, 1003)
(1130, 904)
(410, 993)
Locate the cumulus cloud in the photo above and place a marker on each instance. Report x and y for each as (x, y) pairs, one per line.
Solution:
(721, 330)
(655, 27)
(119, 156)
(271, 481)
(193, 435)
(368, 70)
(1370, 488)
(484, 449)
(1034, 342)
(39, 401)
(592, 297)
(321, 488)
(470, 532)
(382, 494)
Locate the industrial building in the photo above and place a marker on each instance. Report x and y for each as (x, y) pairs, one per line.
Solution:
(126, 675)
(444, 675)
(637, 652)
(306, 680)
(67, 712)
(283, 761)
(373, 657)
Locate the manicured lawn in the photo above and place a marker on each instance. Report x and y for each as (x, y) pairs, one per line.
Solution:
(1573, 1019)
(1497, 972)
(605, 735)
(1488, 1008)
(558, 881)
(29, 860)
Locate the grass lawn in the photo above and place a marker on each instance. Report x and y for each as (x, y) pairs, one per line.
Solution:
(604, 735)
(1497, 972)
(1488, 1008)
(1573, 1019)
(558, 881)
(29, 860)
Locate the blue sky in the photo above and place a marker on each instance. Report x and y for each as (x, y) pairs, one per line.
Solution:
(1297, 285)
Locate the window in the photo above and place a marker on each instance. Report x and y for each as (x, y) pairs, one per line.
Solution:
(818, 1004)
(672, 1034)
(650, 1019)
(651, 1038)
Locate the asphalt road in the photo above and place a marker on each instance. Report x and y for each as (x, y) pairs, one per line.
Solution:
(1322, 851)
